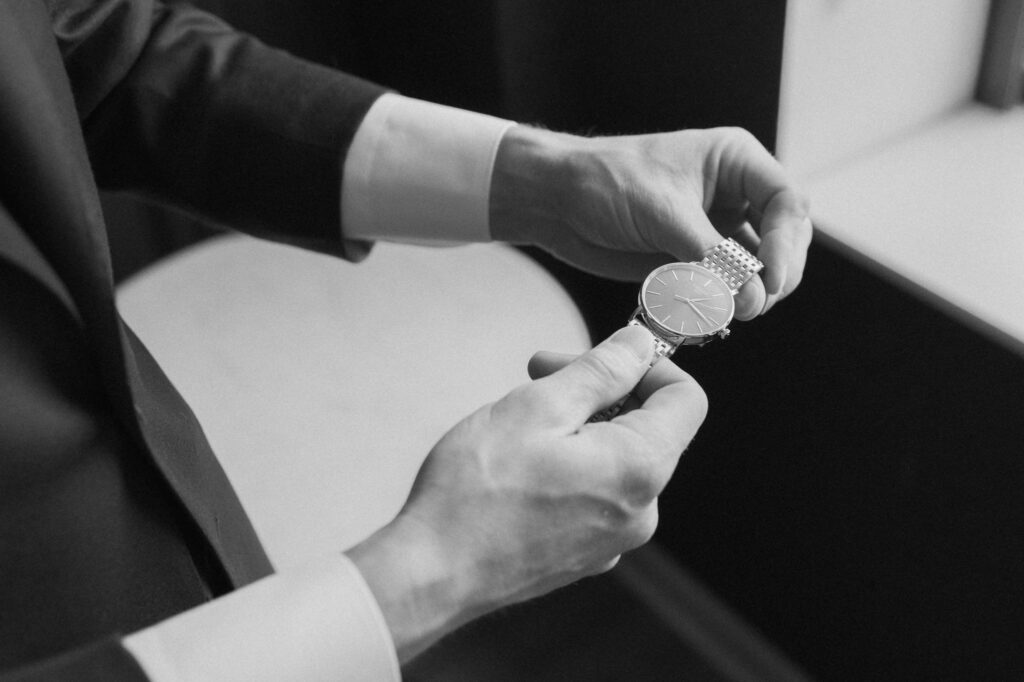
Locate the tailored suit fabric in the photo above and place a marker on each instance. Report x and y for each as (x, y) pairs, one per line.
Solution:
(114, 513)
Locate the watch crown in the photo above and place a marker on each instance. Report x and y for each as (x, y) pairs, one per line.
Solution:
(723, 333)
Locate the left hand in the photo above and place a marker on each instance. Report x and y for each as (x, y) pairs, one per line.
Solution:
(621, 206)
(524, 496)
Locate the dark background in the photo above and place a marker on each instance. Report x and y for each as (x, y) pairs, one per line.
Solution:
(854, 493)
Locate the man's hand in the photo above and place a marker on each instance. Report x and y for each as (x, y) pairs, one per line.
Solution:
(524, 496)
(621, 206)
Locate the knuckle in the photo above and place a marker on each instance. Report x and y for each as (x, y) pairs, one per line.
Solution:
(601, 566)
(803, 204)
(638, 526)
(641, 481)
(689, 410)
(739, 136)
(692, 395)
(646, 525)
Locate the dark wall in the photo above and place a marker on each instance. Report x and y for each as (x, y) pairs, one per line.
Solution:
(621, 67)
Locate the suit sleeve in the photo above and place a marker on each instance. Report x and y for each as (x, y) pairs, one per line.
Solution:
(180, 107)
(311, 623)
(100, 661)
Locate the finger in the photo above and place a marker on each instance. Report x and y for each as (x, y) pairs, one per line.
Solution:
(751, 299)
(784, 225)
(599, 377)
(785, 237)
(786, 245)
(792, 276)
(673, 395)
(544, 363)
(647, 441)
(747, 236)
(701, 233)
(672, 408)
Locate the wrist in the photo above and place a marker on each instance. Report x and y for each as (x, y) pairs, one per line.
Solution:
(532, 177)
(420, 588)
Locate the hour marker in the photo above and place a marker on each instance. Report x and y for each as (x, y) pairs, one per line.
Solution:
(652, 291)
(707, 282)
(691, 275)
(699, 327)
(676, 275)
(659, 281)
(665, 321)
(660, 305)
(682, 325)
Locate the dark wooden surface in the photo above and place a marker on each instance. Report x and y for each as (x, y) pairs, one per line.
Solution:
(648, 619)
(856, 489)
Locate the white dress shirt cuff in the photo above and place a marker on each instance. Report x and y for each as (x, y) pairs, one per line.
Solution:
(419, 172)
(320, 622)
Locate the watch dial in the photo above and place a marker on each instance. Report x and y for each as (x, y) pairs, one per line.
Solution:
(686, 299)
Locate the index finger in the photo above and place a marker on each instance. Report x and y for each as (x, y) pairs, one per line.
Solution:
(784, 224)
(646, 442)
(672, 406)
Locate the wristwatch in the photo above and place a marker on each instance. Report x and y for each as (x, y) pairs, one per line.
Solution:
(689, 304)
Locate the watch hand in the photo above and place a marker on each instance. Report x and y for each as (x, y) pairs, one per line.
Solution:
(706, 305)
(692, 300)
(702, 315)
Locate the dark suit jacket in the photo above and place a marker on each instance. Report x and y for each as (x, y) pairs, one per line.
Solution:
(114, 513)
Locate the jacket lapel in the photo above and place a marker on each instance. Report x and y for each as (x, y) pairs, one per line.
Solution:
(47, 185)
(17, 249)
(45, 179)
(51, 225)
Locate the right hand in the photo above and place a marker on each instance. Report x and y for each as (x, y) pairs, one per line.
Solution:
(523, 496)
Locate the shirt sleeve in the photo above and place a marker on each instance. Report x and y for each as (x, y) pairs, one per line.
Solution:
(320, 622)
(419, 172)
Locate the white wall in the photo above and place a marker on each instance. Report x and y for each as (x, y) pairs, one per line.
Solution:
(903, 170)
(858, 73)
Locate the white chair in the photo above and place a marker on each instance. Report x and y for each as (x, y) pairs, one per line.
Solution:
(323, 384)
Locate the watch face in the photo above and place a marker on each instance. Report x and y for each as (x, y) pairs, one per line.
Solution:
(686, 299)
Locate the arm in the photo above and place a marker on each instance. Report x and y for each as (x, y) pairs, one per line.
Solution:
(617, 206)
(178, 106)
(319, 622)
(102, 660)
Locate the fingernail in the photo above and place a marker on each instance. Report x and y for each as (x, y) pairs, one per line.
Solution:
(638, 340)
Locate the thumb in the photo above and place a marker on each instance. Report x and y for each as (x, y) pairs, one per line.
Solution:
(698, 231)
(601, 376)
